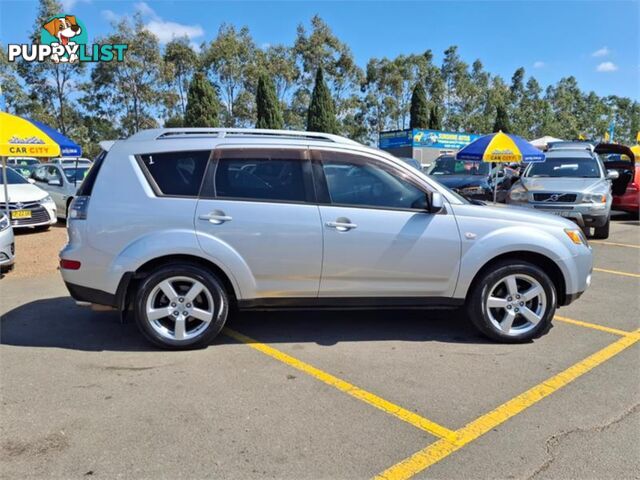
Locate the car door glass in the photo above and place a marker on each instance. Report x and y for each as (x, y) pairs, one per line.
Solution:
(176, 173)
(260, 178)
(363, 183)
(54, 174)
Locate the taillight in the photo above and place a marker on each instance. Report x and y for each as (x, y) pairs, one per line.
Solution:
(78, 208)
(69, 264)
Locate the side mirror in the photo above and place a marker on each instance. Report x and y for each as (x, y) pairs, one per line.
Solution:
(31, 181)
(436, 202)
(55, 182)
(613, 174)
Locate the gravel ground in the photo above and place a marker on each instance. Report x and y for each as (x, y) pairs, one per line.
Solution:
(37, 251)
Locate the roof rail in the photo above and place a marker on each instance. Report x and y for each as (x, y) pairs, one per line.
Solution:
(168, 133)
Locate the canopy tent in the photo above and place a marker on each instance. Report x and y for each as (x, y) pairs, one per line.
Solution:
(542, 142)
(500, 148)
(20, 137)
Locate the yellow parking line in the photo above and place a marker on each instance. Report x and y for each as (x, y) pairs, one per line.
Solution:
(614, 244)
(346, 387)
(442, 448)
(595, 326)
(616, 272)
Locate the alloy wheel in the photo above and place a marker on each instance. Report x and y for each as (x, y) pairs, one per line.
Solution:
(180, 308)
(516, 304)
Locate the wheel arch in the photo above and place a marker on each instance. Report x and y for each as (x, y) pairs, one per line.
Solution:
(550, 267)
(130, 281)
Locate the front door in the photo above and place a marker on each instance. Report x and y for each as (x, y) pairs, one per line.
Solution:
(259, 202)
(379, 241)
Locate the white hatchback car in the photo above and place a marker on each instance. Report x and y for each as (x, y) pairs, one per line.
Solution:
(29, 206)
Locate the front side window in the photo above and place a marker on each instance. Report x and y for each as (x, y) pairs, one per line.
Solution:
(260, 177)
(177, 173)
(360, 182)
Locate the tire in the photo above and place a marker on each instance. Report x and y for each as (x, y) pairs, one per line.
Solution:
(494, 321)
(166, 291)
(602, 233)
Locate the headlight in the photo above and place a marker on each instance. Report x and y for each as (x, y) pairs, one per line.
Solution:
(594, 198)
(4, 223)
(46, 199)
(576, 236)
(518, 195)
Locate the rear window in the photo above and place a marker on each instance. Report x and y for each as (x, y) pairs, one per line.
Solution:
(90, 178)
(176, 173)
(260, 179)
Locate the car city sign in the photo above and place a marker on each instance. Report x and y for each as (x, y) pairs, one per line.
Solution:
(63, 39)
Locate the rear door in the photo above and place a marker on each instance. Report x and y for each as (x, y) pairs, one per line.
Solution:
(379, 241)
(260, 201)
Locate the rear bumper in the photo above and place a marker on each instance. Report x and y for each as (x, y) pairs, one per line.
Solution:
(91, 295)
(99, 297)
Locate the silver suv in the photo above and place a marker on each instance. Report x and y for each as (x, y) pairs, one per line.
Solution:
(572, 183)
(180, 226)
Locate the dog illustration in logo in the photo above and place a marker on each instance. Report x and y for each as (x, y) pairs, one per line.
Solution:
(64, 29)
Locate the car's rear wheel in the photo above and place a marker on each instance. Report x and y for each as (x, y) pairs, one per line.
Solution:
(181, 306)
(513, 302)
(602, 232)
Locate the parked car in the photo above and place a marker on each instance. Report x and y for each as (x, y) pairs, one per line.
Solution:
(570, 183)
(61, 182)
(570, 145)
(22, 161)
(71, 161)
(26, 170)
(29, 206)
(412, 162)
(473, 180)
(7, 246)
(182, 225)
(626, 188)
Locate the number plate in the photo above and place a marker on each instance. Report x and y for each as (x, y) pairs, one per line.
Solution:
(16, 214)
(560, 214)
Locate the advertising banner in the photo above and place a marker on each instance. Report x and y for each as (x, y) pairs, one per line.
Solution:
(418, 137)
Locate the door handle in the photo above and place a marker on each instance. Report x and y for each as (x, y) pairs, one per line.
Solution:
(217, 217)
(342, 226)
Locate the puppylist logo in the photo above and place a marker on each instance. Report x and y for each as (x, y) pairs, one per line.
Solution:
(63, 39)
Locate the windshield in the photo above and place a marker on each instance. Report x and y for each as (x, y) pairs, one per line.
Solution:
(565, 167)
(451, 166)
(76, 174)
(13, 177)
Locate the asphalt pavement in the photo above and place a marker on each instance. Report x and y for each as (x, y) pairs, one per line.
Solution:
(316, 395)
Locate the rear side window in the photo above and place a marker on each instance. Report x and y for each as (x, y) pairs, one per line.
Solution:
(260, 178)
(176, 173)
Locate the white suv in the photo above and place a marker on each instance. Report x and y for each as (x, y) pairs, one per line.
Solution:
(180, 225)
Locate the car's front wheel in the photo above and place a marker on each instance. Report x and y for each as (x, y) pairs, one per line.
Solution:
(513, 302)
(181, 306)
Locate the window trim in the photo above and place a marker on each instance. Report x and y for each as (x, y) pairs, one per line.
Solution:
(154, 185)
(208, 190)
(324, 198)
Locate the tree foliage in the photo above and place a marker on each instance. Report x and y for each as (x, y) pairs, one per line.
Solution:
(419, 108)
(202, 103)
(267, 105)
(321, 116)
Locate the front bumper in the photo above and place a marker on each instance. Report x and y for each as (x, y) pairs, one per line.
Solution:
(41, 216)
(7, 250)
(585, 215)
